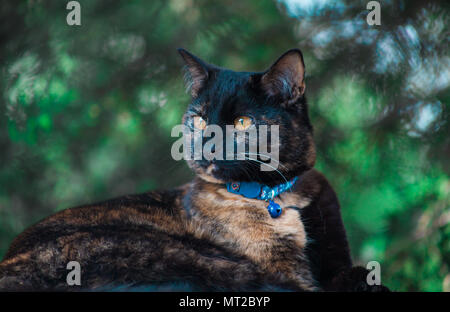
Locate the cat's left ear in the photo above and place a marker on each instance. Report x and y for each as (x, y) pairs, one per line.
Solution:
(286, 77)
(197, 72)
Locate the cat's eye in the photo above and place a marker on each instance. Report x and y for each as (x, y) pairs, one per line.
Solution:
(199, 123)
(242, 123)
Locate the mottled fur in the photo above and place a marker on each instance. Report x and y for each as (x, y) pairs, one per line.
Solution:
(200, 236)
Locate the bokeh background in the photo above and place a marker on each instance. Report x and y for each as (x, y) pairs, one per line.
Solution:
(86, 111)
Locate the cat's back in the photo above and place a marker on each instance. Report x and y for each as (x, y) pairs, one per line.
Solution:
(131, 241)
(139, 213)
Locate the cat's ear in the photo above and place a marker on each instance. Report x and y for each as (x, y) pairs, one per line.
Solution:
(286, 77)
(197, 72)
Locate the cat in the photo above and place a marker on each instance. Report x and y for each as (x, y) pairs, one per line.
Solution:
(200, 236)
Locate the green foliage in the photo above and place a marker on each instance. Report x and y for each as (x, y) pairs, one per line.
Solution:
(86, 111)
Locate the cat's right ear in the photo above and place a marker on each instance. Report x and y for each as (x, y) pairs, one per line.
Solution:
(197, 72)
(286, 77)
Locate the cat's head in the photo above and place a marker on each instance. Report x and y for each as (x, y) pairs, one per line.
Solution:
(250, 99)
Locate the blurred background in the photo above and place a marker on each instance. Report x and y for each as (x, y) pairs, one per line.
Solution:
(86, 111)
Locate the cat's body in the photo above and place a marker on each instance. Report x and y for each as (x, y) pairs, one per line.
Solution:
(200, 236)
(163, 239)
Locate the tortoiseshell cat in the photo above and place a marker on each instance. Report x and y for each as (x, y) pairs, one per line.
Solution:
(200, 236)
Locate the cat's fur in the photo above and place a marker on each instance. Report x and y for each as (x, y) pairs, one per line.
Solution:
(199, 236)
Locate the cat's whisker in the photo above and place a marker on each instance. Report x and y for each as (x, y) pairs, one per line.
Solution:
(289, 190)
(254, 159)
(265, 155)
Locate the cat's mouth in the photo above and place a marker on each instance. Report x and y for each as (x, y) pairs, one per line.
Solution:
(210, 173)
(222, 171)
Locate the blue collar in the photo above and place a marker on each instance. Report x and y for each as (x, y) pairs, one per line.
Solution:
(260, 191)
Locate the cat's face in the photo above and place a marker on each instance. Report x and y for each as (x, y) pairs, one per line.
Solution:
(244, 100)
